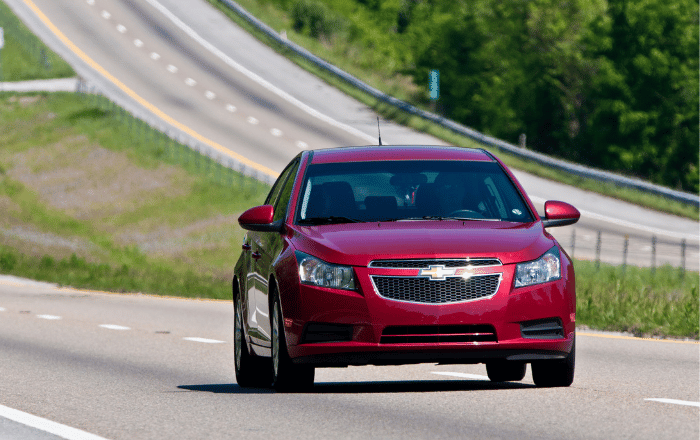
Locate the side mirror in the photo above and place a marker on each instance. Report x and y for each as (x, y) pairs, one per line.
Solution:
(260, 219)
(559, 214)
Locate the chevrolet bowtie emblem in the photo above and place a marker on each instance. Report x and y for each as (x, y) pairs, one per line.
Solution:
(440, 273)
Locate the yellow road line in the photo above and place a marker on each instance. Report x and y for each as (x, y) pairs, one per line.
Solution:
(596, 335)
(150, 107)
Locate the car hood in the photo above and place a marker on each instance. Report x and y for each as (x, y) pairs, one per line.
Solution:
(359, 243)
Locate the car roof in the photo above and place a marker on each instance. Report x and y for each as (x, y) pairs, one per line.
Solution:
(373, 153)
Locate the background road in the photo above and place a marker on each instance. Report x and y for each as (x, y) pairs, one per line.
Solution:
(202, 74)
(120, 366)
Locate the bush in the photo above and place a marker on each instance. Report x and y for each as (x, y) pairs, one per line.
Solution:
(314, 18)
(8, 261)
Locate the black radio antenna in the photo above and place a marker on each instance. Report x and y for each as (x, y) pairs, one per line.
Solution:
(380, 132)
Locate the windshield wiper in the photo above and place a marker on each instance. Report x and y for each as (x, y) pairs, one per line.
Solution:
(437, 217)
(328, 220)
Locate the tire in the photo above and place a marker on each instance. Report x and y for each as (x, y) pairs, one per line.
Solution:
(558, 373)
(285, 375)
(251, 371)
(505, 371)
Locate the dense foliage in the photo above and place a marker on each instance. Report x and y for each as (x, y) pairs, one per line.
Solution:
(608, 83)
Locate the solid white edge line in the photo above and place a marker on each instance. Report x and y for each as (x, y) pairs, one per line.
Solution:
(462, 375)
(625, 223)
(49, 317)
(676, 402)
(114, 327)
(262, 82)
(46, 425)
(204, 340)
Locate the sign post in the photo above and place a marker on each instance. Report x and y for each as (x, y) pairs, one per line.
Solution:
(434, 86)
(2, 44)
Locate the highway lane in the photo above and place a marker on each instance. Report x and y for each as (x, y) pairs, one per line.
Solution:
(119, 366)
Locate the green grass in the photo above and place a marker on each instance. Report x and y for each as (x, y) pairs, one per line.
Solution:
(338, 52)
(637, 300)
(140, 276)
(24, 56)
(181, 199)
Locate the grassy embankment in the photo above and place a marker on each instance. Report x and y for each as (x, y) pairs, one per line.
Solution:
(375, 69)
(91, 198)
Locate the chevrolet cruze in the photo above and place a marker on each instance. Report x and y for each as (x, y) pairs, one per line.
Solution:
(389, 255)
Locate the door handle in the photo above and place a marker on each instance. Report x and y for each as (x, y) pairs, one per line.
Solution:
(247, 247)
(256, 255)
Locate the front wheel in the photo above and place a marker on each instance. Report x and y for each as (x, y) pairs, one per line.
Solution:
(559, 373)
(285, 375)
(251, 371)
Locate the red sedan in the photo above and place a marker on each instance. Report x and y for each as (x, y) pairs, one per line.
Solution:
(389, 255)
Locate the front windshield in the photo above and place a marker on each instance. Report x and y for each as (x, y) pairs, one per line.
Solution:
(409, 190)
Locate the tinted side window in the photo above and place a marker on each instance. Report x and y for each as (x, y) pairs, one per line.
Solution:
(285, 193)
(277, 187)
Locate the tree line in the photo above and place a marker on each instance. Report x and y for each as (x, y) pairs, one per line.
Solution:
(612, 84)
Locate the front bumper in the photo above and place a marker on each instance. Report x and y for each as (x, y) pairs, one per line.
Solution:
(370, 316)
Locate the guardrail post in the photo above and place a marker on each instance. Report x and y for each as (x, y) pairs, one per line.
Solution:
(624, 253)
(653, 254)
(573, 243)
(683, 245)
(597, 251)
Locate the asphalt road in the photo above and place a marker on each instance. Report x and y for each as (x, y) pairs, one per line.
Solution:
(134, 366)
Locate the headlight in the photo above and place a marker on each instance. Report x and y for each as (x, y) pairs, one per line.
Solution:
(546, 268)
(319, 273)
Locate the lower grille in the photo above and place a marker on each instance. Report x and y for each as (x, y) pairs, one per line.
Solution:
(427, 334)
(542, 329)
(426, 291)
(322, 332)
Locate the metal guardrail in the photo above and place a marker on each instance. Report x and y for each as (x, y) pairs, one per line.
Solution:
(576, 169)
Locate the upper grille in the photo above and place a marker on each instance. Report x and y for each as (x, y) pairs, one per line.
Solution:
(426, 291)
(426, 263)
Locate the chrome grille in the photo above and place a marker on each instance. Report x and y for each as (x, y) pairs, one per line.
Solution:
(426, 263)
(426, 291)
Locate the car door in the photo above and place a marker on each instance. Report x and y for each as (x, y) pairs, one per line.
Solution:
(266, 247)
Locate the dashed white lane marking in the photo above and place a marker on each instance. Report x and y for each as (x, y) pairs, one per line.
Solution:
(252, 121)
(303, 145)
(91, 2)
(676, 402)
(138, 43)
(121, 28)
(171, 68)
(190, 82)
(231, 108)
(46, 425)
(228, 60)
(462, 375)
(49, 317)
(276, 132)
(210, 95)
(204, 340)
(106, 15)
(114, 327)
(155, 56)
(2, 309)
